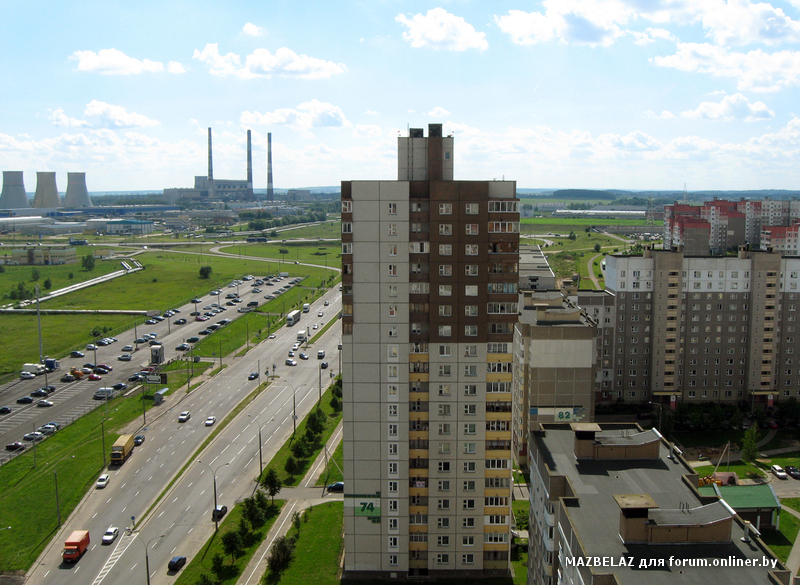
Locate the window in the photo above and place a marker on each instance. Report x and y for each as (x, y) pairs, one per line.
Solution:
(471, 310)
(471, 269)
(471, 330)
(444, 370)
(469, 428)
(445, 270)
(393, 209)
(443, 522)
(347, 248)
(472, 209)
(471, 290)
(444, 350)
(347, 227)
(393, 505)
(347, 207)
(393, 485)
(444, 409)
(393, 468)
(392, 448)
(392, 227)
(469, 467)
(470, 351)
(470, 370)
(445, 249)
(443, 505)
(392, 290)
(444, 485)
(468, 522)
(392, 410)
(470, 409)
(443, 558)
(470, 389)
(471, 249)
(392, 390)
(445, 229)
(445, 330)
(471, 229)
(444, 389)
(446, 209)
(444, 466)
(392, 430)
(392, 542)
(468, 540)
(393, 250)
(469, 448)
(444, 448)
(392, 269)
(445, 290)
(392, 371)
(392, 330)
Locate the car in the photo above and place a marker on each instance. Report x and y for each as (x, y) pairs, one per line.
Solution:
(159, 318)
(103, 343)
(47, 429)
(337, 487)
(44, 404)
(138, 440)
(303, 356)
(272, 336)
(194, 313)
(210, 420)
(205, 332)
(120, 386)
(16, 446)
(180, 322)
(136, 378)
(5, 410)
(184, 416)
(76, 354)
(218, 512)
(296, 346)
(49, 388)
(778, 472)
(291, 353)
(792, 471)
(40, 393)
(320, 354)
(201, 318)
(772, 424)
(193, 339)
(26, 376)
(196, 301)
(154, 342)
(125, 357)
(101, 370)
(319, 314)
(182, 347)
(25, 400)
(176, 563)
(33, 436)
(91, 347)
(324, 365)
(53, 424)
(67, 378)
(150, 322)
(102, 481)
(95, 377)
(140, 340)
(315, 326)
(291, 362)
(253, 376)
(86, 371)
(110, 535)
(127, 348)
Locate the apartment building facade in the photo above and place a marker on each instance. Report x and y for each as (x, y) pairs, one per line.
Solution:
(702, 329)
(429, 285)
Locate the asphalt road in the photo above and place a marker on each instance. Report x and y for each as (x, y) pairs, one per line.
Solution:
(181, 522)
(74, 399)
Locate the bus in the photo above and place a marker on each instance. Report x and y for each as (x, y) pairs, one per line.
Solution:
(293, 318)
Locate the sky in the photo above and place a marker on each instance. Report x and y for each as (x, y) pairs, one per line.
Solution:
(598, 94)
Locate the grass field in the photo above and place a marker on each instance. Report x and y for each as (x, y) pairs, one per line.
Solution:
(558, 223)
(75, 453)
(58, 275)
(781, 541)
(231, 571)
(310, 252)
(330, 229)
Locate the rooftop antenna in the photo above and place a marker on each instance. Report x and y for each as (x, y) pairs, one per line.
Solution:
(685, 195)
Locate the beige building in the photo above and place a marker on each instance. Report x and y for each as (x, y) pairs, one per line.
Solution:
(429, 306)
(40, 255)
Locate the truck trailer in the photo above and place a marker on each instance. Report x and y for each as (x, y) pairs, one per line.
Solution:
(36, 369)
(122, 449)
(75, 546)
(51, 364)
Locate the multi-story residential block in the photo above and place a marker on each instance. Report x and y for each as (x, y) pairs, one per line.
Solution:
(429, 286)
(702, 329)
(610, 504)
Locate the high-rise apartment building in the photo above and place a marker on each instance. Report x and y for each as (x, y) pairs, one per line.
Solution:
(430, 279)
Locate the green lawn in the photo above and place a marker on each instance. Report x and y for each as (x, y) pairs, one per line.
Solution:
(330, 229)
(741, 469)
(558, 224)
(332, 472)
(310, 252)
(318, 548)
(28, 498)
(781, 542)
(201, 563)
(58, 275)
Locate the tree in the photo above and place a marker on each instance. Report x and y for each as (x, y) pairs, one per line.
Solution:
(232, 543)
(597, 247)
(316, 421)
(35, 274)
(87, 262)
(299, 448)
(281, 554)
(70, 276)
(296, 521)
(272, 483)
(217, 564)
(291, 465)
(749, 444)
(205, 272)
(204, 579)
(48, 284)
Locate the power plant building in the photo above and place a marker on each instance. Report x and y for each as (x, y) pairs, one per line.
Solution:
(13, 195)
(47, 196)
(77, 194)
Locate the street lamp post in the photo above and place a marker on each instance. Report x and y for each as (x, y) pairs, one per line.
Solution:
(294, 406)
(260, 457)
(146, 556)
(660, 410)
(214, 473)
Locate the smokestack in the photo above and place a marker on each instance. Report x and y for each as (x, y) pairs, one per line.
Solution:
(13, 195)
(210, 164)
(46, 191)
(270, 194)
(249, 166)
(77, 195)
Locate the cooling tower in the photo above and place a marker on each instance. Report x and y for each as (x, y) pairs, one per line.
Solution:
(46, 191)
(210, 164)
(270, 193)
(249, 164)
(13, 195)
(77, 195)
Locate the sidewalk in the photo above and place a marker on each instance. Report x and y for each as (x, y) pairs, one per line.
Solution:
(297, 499)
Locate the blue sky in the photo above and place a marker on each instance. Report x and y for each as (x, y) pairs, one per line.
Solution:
(631, 94)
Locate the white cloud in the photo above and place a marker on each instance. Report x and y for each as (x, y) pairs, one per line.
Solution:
(438, 29)
(175, 67)
(253, 30)
(59, 118)
(110, 116)
(732, 107)
(308, 115)
(374, 113)
(368, 130)
(743, 22)
(651, 35)
(437, 112)
(262, 63)
(114, 62)
(755, 70)
(665, 115)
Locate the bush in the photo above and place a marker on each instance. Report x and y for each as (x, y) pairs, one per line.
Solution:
(205, 272)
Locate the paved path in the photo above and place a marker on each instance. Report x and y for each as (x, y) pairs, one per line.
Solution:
(738, 456)
(296, 499)
(591, 271)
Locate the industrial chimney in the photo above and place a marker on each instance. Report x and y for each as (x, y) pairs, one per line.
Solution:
(77, 195)
(270, 193)
(249, 167)
(210, 163)
(13, 195)
(46, 191)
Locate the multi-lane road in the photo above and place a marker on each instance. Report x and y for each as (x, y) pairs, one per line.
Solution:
(181, 521)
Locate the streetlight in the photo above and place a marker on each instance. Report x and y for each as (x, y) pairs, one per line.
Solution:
(146, 556)
(214, 473)
(260, 458)
(294, 405)
(660, 409)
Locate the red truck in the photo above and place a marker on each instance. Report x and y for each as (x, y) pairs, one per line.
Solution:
(75, 546)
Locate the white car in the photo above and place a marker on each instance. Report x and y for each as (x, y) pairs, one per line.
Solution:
(110, 535)
(102, 481)
(295, 347)
(211, 420)
(290, 362)
(778, 472)
(272, 336)
(27, 376)
(184, 416)
(319, 314)
(91, 347)
(127, 348)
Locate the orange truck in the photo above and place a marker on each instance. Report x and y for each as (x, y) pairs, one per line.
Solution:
(77, 373)
(75, 546)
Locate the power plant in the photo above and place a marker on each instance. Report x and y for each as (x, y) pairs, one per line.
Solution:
(77, 195)
(46, 191)
(13, 195)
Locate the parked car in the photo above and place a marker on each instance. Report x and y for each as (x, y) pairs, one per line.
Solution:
(136, 378)
(91, 347)
(324, 365)
(192, 340)
(15, 446)
(272, 336)
(47, 429)
(176, 563)
(182, 347)
(778, 472)
(120, 386)
(39, 393)
(26, 376)
(76, 354)
(95, 377)
(44, 404)
(5, 410)
(792, 471)
(67, 378)
(218, 512)
(25, 400)
(180, 322)
(125, 357)
(336, 487)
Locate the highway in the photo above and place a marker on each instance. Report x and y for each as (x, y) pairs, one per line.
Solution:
(181, 522)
